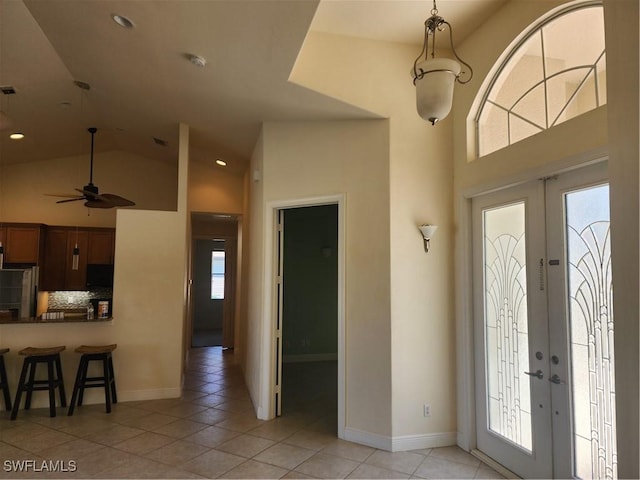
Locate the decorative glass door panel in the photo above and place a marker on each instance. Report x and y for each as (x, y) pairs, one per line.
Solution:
(512, 394)
(543, 302)
(585, 289)
(506, 329)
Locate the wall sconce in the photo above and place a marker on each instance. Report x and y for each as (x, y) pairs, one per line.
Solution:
(427, 232)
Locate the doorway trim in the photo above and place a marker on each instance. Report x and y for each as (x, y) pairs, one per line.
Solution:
(465, 348)
(267, 360)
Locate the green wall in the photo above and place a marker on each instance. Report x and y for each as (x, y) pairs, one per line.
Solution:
(310, 307)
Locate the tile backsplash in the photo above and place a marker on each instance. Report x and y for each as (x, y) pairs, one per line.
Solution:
(71, 300)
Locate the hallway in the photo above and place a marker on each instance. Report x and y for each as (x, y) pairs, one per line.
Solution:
(210, 432)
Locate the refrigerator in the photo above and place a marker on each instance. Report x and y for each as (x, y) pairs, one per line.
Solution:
(18, 293)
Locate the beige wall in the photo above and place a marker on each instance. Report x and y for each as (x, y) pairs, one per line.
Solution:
(299, 161)
(375, 76)
(253, 317)
(317, 159)
(212, 189)
(150, 183)
(148, 306)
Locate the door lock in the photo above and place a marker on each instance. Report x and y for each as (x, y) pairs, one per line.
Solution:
(537, 374)
(556, 379)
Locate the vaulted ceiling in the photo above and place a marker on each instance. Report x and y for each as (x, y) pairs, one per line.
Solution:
(138, 84)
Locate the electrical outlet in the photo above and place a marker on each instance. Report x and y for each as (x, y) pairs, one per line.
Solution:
(426, 410)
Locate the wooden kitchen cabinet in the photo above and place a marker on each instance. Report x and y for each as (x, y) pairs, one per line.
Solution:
(58, 266)
(23, 243)
(101, 246)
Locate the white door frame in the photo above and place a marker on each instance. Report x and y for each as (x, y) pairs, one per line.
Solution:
(465, 350)
(267, 377)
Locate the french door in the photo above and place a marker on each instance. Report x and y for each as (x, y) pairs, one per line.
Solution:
(545, 390)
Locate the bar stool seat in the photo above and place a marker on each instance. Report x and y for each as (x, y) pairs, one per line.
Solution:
(33, 356)
(4, 383)
(107, 380)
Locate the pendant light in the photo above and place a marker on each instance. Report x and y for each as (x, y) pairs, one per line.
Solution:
(75, 259)
(434, 77)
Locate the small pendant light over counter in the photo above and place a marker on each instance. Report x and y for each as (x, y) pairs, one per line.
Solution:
(75, 259)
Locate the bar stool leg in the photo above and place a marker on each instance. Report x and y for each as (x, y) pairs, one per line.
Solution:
(63, 396)
(83, 379)
(23, 377)
(52, 391)
(112, 376)
(77, 384)
(32, 375)
(107, 383)
(5, 384)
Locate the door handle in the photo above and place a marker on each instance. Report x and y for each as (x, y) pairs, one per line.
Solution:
(556, 379)
(537, 374)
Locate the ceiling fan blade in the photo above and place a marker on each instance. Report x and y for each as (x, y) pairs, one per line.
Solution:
(62, 195)
(71, 200)
(98, 204)
(117, 200)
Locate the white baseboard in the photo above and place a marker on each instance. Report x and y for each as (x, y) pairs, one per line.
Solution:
(369, 439)
(155, 394)
(419, 442)
(311, 357)
(402, 443)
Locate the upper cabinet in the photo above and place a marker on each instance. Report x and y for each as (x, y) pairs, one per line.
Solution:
(51, 248)
(59, 273)
(23, 243)
(101, 247)
(95, 246)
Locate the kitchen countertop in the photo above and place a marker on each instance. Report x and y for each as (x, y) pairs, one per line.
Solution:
(68, 318)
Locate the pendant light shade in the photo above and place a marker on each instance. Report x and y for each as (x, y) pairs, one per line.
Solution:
(434, 88)
(433, 77)
(75, 259)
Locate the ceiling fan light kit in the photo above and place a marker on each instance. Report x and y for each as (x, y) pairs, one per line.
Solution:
(90, 192)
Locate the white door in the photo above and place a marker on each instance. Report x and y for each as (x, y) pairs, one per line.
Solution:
(544, 327)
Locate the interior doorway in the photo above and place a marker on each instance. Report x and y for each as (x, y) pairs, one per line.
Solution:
(308, 310)
(214, 278)
(208, 292)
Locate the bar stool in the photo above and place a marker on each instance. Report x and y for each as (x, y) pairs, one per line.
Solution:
(33, 356)
(4, 383)
(107, 380)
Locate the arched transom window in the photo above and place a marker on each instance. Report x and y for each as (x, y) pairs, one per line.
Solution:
(555, 73)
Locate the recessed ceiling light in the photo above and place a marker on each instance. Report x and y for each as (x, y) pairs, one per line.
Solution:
(123, 21)
(16, 136)
(222, 163)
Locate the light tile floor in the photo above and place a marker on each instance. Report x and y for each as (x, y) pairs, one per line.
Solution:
(212, 432)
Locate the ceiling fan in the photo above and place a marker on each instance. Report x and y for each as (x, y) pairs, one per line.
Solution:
(90, 193)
